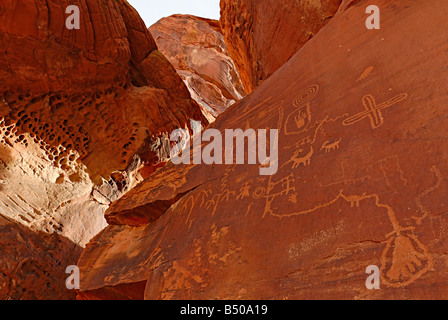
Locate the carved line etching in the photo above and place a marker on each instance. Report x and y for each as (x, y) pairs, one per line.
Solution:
(366, 73)
(302, 115)
(331, 146)
(404, 259)
(409, 254)
(407, 257)
(373, 111)
(418, 200)
(410, 258)
(382, 167)
(299, 121)
(190, 203)
(297, 161)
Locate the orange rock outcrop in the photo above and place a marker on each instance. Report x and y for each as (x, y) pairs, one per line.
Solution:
(197, 50)
(262, 35)
(80, 112)
(362, 179)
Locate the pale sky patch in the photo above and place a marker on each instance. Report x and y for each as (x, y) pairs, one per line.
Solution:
(153, 10)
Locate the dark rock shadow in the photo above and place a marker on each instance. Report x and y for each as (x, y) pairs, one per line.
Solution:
(33, 264)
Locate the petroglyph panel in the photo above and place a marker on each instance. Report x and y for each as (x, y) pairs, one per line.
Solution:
(361, 181)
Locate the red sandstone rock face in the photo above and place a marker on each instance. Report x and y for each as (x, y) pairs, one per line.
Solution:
(198, 52)
(362, 181)
(263, 35)
(80, 112)
(105, 84)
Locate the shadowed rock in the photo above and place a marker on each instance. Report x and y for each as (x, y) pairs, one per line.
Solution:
(32, 263)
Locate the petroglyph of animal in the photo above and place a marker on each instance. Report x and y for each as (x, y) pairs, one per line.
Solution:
(330, 146)
(305, 161)
(354, 200)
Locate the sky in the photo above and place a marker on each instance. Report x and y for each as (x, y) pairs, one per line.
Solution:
(153, 10)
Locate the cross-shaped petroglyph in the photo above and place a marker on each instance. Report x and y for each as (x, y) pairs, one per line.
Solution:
(373, 110)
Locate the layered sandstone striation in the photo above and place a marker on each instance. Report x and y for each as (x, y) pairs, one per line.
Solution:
(362, 181)
(263, 35)
(197, 50)
(80, 112)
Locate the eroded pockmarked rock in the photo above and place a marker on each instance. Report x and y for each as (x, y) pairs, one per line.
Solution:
(197, 50)
(362, 180)
(79, 90)
(263, 34)
(77, 106)
(80, 111)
